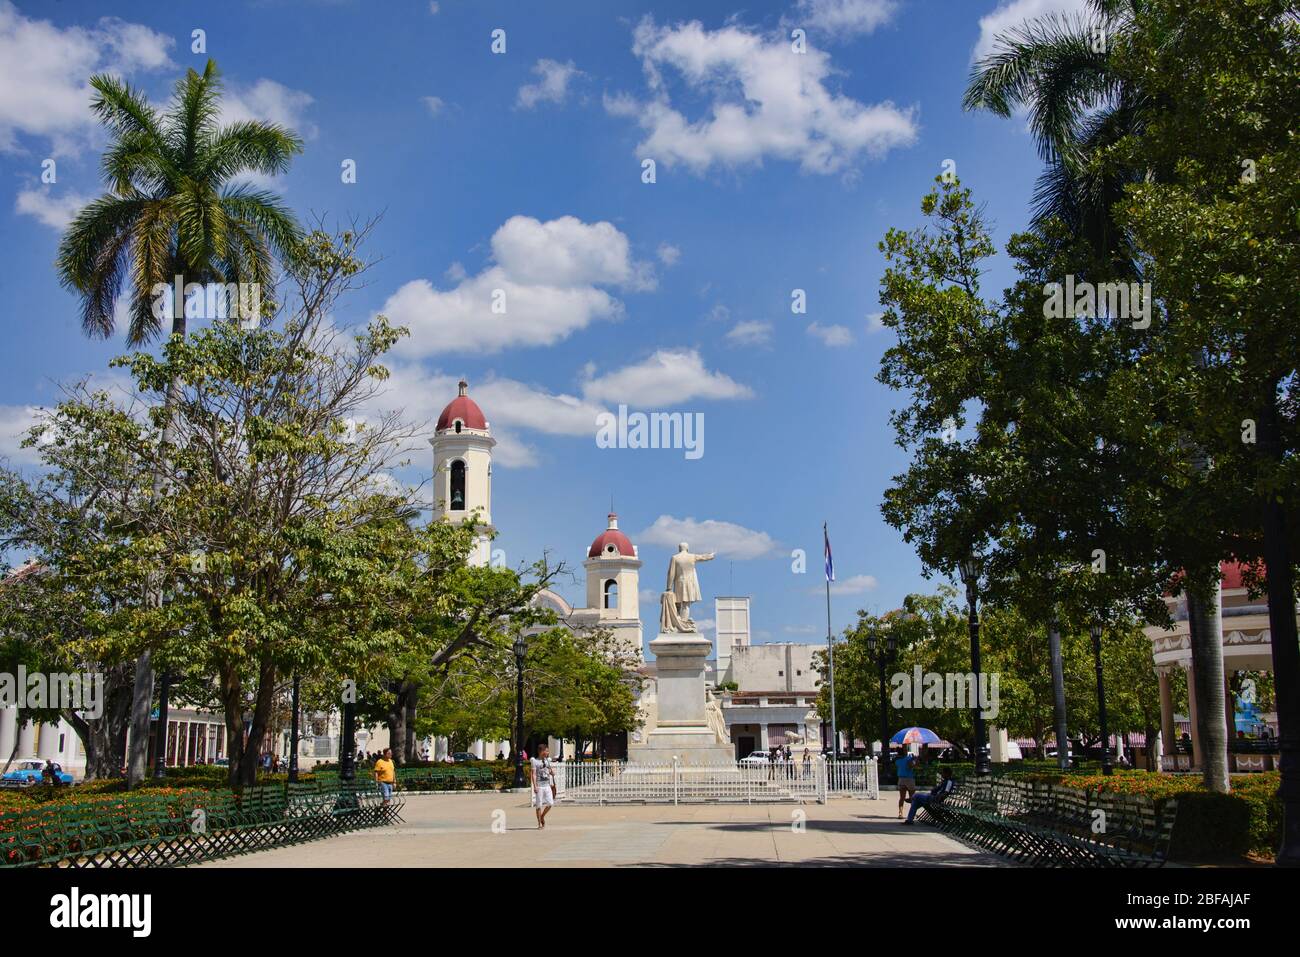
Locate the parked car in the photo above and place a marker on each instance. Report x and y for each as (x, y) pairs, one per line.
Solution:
(28, 773)
(461, 756)
(756, 757)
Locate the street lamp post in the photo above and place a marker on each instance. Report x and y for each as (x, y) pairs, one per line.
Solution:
(348, 749)
(160, 738)
(883, 659)
(970, 574)
(293, 734)
(1106, 767)
(521, 650)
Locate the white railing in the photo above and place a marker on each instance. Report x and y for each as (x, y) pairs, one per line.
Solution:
(612, 782)
(855, 778)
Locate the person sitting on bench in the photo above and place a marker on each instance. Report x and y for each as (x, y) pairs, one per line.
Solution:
(938, 794)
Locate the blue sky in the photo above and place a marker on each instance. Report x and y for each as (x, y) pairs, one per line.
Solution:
(522, 170)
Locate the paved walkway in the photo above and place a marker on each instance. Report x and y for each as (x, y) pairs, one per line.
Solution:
(457, 831)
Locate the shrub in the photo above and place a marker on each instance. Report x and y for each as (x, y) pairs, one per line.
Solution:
(1209, 826)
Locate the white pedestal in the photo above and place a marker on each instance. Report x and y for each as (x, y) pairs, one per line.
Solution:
(681, 729)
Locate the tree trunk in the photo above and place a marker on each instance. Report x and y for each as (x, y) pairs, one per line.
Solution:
(141, 709)
(1058, 695)
(1286, 651)
(397, 725)
(262, 707)
(412, 710)
(142, 699)
(1205, 635)
(104, 738)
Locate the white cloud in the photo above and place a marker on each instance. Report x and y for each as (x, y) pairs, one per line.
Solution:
(51, 208)
(750, 333)
(874, 321)
(515, 403)
(668, 377)
(856, 585)
(833, 336)
(724, 538)
(552, 85)
(764, 101)
(846, 18)
(15, 422)
(271, 102)
(669, 254)
(44, 73)
(545, 275)
(1012, 13)
(433, 8)
(434, 104)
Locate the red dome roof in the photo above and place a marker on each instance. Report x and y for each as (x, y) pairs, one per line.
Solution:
(464, 408)
(1233, 576)
(612, 536)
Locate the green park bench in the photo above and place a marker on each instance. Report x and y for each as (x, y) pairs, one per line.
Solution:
(1054, 826)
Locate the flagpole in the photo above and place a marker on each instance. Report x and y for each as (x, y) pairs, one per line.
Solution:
(830, 644)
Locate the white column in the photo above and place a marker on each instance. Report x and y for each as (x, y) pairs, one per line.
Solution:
(48, 742)
(8, 731)
(27, 740)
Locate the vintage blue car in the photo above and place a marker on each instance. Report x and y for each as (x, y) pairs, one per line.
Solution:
(27, 773)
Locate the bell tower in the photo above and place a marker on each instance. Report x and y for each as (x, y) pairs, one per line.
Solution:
(462, 469)
(613, 577)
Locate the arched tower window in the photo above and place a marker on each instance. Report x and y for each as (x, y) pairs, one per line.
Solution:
(458, 425)
(611, 593)
(458, 486)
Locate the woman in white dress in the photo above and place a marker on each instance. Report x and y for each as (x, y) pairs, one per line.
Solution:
(543, 784)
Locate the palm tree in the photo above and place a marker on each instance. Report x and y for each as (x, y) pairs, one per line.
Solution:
(1059, 69)
(175, 211)
(172, 209)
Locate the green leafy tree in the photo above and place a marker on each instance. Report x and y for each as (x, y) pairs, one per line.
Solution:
(175, 212)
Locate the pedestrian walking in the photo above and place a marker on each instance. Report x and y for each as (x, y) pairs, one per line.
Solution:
(386, 774)
(807, 763)
(543, 785)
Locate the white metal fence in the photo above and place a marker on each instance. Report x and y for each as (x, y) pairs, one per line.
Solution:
(854, 778)
(612, 782)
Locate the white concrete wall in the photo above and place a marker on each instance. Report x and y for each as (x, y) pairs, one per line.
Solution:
(778, 666)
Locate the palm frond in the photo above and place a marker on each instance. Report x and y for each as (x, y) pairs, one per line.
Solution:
(251, 146)
(262, 210)
(194, 112)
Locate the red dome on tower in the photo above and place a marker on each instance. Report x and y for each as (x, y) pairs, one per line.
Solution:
(465, 409)
(612, 536)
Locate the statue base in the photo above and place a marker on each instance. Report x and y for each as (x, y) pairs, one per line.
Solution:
(681, 729)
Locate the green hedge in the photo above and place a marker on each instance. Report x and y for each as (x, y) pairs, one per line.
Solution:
(1210, 827)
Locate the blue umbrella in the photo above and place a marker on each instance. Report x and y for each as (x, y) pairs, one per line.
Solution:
(915, 735)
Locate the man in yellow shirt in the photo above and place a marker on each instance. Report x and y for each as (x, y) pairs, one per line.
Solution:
(386, 774)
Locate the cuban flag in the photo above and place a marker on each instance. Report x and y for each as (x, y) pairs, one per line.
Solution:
(830, 564)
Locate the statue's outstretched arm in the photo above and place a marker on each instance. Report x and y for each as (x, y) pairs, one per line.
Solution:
(708, 557)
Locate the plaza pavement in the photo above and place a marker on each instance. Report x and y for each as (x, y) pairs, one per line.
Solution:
(455, 830)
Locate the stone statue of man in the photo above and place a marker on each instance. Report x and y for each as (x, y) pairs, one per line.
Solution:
(684, 584)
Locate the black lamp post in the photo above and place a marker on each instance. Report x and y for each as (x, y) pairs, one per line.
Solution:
(348, 747)
(521, 650)
(293, 734)
(160, 738)
(970, 576)
(883, 658)
(1106, 767)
